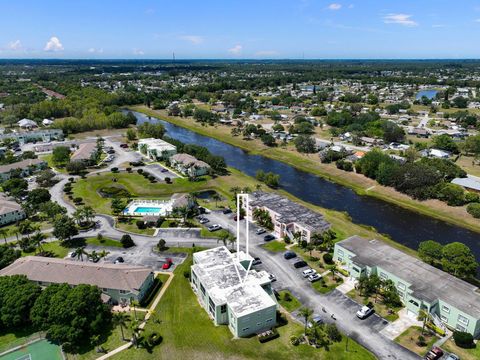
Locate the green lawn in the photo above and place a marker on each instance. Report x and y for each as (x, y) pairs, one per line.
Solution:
(16, 338)
(55, 247)
(464, 354)
(188, 332)
(409, 338)
(275, 246)
(131, 226)
(288, 301)
(49, 160)
(104, 242)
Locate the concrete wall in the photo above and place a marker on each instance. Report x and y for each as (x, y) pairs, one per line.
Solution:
(253, 323)
(12, 217)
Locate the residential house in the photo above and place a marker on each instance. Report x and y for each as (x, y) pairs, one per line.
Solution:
(119, 283)
(189, 165)
(10, 211)
(288, 217)
(470, 183)
(451, 302)
(86, 152)
(27, 124)
(25, 168)
(156, 149)
(33, 136)
(230, 294)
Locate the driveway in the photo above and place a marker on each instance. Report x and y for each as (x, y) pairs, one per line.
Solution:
(366, 332)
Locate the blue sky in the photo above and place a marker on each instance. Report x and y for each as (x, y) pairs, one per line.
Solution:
(312, 29)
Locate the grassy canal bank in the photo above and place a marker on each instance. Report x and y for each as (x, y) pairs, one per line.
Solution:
(310, 163)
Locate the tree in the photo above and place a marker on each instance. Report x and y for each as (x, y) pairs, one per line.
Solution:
(60, 155)
(445, 142)
(162, 245)
(76, 167)
(305, 144)
(268, 139)
(37, 240)
(392, 132)
(8, 255)
(430, 251)
(452, 194)
(79, 252)
(423, 316)
(127, 241)
(216, 197)
(131, 134)
(64, 228)
(136, 329)
(45, 178)
(459, 260)
(4, 233)
(70, 316)
(305, 313)
(460, 102)
(134, 304)
(117, 205)
(474, 210)
(121, 320)
(17, 297)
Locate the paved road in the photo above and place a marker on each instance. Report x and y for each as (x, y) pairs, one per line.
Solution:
(366, 332)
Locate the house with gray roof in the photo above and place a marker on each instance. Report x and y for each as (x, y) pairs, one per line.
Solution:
(450, 301)
(10, 211)
(287, 216)
(230, 294)
(26, 167)
(189, 165)
(470, 183)
(119, 283)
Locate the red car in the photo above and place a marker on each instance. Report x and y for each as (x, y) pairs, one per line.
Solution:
(167, 264)
(435, 353)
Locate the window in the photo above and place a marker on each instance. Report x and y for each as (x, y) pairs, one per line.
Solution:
(340, 252)
(444, 318)
(104, 289)
(269, 320)
(223, 309)
(203, 289)
(413, 302)
(461, 328)
(123, 292)
(259, 324)
(383, 275)
(463, 320)
(401, 286)
(356, 269)
(245, 329)
(445, 309)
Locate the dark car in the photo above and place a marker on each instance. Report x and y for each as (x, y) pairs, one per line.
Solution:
(227, 211)
(300, 264)
(269, 237)
(289, 255)
(256, 261)
(119, 260)
(435, 353)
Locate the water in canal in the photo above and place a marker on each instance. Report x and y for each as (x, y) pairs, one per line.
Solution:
(402, 225)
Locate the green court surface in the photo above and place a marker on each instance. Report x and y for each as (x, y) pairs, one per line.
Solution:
(39, 350)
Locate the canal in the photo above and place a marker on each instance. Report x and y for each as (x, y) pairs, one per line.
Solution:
(404, 226)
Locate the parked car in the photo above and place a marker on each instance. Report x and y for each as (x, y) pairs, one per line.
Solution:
(268, 237)
(164, 170)
(124, 146)
(452, 357)
(316, 320)
(260, 231)
(435, 353)
(214, 227)
(272, 277)
(119, 260)
(289, 255)
(299, 264)
(234, 217)
(365, 312)
(72, 254)
(314, 277)
(227, 211)
(204, 220)
(256, 261)
(308, 272)
(167, 264)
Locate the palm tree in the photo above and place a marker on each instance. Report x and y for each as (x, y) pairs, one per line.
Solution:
(258, 187)
(305, 313)
(423, 316)
(79, 252)
(103, 254)
(4, 233)
(217, 198)
(121, 319)
(25, 228)
(78, 216)
(235, 190)
(88, 213)
(136, 329)
(37, 239)
(223, 238)
(246, 190)
(134, 304)
(333, 269)
(232, 240)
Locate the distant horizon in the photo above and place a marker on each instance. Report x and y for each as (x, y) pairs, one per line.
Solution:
(238, 59)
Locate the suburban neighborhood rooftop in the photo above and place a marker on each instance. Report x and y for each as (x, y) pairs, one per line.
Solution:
(20, 165)
(220, 273)
(427, 282)
(53, 270)
(289, 211)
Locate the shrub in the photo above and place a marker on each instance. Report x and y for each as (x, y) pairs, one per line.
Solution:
(115, 170)
(463, 339)
(127, 241)
(140, 171)
(294, 340)
(186, 274)
(140, 224)
(129, 169)
(77, 200)
(287, 297)
(328, 258)
(153, 339)
(168, 180)
(268, 335)
(161, 245)
(471, 197)
(421, 341)
(474, 210)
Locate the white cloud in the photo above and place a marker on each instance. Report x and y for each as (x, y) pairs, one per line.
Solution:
(477, 20)
(194, 39)
(15, 45)
(53, 44)
(266, 53)
(138, 52)
(334, 6)
(237, 49)
(93, 50)
(401, 19)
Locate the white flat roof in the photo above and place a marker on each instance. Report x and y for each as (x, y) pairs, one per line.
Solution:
(219, 272)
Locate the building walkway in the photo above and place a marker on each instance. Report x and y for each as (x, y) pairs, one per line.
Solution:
(404, 321)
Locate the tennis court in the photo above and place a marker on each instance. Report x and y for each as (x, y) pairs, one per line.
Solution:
(38, 350)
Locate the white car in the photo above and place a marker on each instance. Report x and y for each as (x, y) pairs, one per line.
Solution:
(272, 277)
(314, 277)
(214, 227)
(308, 272)
(260, 231)
(364, 312)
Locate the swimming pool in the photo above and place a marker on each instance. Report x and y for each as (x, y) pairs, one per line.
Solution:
(144, 209)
